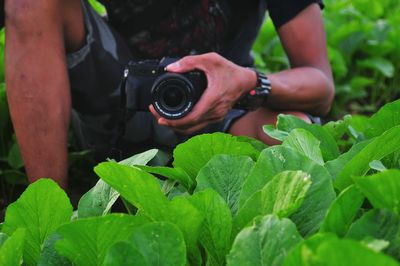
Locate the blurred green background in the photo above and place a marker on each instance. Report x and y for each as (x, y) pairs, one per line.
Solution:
(364, 50)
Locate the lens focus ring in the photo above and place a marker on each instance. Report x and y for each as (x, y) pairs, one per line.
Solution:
(172, 95)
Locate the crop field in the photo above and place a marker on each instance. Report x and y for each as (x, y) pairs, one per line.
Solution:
(327, 195)
(228, 200)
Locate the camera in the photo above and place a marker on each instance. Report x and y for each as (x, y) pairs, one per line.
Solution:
(173, 95)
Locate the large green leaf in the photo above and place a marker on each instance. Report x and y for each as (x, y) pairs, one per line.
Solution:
(382, 189)
(137, 187)
(192, 155)
(226, 175)
(215, 232)
(304, 142)
(379, 224)
(122, 254)
(386, 118)
(99, 200)
(273, 161)
(331, 251)
(266, 242)
(160, 244)
(282, 196)
(12, 249)
(328, 146)
(342, 212)
(188, 219)
(41, 209)
(86, 241)
(380, 147)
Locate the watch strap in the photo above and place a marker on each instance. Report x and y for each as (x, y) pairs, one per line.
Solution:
(257, 96)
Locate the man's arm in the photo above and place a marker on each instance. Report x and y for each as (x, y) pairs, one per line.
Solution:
(308, 86)
(37, 85)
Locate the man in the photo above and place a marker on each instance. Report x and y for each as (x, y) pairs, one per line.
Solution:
(60, 54)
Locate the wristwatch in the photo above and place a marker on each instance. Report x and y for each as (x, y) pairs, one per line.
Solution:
(256, 97)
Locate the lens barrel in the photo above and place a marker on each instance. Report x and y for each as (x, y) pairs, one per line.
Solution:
(173, 95)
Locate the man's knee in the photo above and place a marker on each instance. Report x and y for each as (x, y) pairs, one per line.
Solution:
(252, 124)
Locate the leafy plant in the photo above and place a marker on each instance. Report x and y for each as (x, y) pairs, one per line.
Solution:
(225, 201)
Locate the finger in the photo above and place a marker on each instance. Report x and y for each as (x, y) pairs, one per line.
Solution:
(160, 120)
(185, 64)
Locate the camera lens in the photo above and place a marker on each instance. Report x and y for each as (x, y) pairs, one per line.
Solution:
(172, 95)
(173, 98)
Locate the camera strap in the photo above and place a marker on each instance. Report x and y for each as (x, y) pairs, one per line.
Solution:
(116, 141)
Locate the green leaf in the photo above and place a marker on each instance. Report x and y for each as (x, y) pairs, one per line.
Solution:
(377, 165)
(100, 9)
(175, 174)
(336, 166)
(137, 187)
(140, 159)
(342, 212)
(86, 241)
(304, 142)
(266, 242)
(380, 147)
(226, 175)
(160, 244)
(49, 255)
(378, 224)
(382, 189)
(375, 244)
(188, 219)
(215, 231)
(275, 160)
(382, 65)
(12, 249)
(331, 251)
(282, 196)
(97, 201)
(275, 133)
(143, 191)
(386, 118)
(338, 128)
(14, 157)
(3, 238)
(192, 155)
(328, 145)
(41, 209)
(122, 254)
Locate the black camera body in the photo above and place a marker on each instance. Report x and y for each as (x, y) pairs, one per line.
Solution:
(173, 95)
